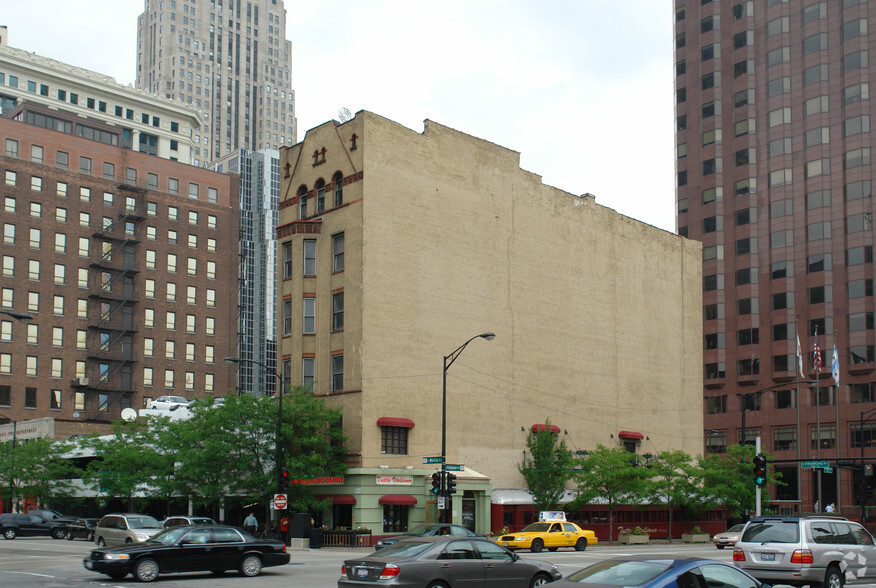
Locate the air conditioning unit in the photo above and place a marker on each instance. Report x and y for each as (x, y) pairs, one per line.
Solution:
(81, 382)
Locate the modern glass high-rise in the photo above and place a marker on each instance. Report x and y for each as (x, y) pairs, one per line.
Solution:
(228, 58)
(257, 283)
(774, 176)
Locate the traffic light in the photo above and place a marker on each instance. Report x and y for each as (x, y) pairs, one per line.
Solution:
(760, 470)
(284, 480)
(451, 483)
(436, 482)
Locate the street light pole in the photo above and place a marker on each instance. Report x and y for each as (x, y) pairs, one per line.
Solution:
(12, 463)
(279, 439)
(448, 361)
(863, 470)
(758, 394)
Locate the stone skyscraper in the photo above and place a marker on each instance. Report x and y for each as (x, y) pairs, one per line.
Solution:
(228, 58)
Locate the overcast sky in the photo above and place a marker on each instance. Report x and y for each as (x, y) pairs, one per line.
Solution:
(582, 89)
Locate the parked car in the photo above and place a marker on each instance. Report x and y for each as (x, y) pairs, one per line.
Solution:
(660, 571)
(168, 402)
(182, 520)
(80, 529)
(446, 561)
(189, 549)
(120, 528)
(550, 534)
(429, 530)
(807, 550)
(14, 525)
(729, 537)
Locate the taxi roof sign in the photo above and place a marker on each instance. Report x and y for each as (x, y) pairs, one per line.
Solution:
(551, 515)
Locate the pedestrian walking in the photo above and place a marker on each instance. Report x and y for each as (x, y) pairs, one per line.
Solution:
(250, 524)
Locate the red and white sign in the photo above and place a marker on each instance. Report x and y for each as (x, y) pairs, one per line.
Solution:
(394, 480)
(280, 501)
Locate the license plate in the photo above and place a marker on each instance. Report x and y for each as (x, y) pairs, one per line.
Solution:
(504, 543)
(361, 572)
(768, 556)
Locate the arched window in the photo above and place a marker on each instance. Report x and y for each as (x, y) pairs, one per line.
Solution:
(320, 196)
(302, 202)
(338, 181)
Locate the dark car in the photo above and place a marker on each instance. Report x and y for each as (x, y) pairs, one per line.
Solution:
(660, 571)
(14, 525)
(474, 562)
(429, 530)
(211, 548)
(80, 529)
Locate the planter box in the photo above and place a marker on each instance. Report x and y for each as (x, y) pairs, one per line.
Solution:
(695, 537)
(628, 539)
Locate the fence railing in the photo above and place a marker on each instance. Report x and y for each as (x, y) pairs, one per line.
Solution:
(344, 538)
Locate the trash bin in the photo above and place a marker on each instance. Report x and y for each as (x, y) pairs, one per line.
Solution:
(299, 524)
(315, 538)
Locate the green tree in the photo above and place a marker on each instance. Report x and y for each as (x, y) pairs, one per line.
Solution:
(548, 469)
(676, 480)
(728, 480)
(35, 469)
(612, 474)
(314, 444)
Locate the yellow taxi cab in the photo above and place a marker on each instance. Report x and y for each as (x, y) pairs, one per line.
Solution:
(551, 533)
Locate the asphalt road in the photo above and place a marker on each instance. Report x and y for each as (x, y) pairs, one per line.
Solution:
(37, 561)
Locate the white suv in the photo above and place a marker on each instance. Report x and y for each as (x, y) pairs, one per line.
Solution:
(810, 550)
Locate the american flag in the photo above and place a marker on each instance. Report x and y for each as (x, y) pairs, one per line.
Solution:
(816, 360)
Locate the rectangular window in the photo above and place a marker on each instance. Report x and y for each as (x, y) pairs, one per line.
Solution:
(309, 316)
(309, 257)
(337, 372)
(338, 311)
(308, 371)
(338, 252)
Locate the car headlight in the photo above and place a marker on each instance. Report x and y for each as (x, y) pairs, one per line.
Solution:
(520, 539)
(116, 556)
(142, 536)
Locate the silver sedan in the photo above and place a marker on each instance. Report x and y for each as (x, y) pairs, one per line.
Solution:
(439, 562)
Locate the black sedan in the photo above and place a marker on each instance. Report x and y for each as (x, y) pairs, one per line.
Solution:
(189, 549)
(659, 571)
(431, 562)
(429, 530)
(80, 529)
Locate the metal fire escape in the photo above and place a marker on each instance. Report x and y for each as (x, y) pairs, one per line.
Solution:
(112, 299)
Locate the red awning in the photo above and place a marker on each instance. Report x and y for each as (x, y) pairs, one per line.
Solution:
(406, 499)
(338, 498)
(630, 435)
(553, 428)
(395, 422)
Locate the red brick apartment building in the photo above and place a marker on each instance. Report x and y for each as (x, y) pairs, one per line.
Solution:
(126, 264)
(774, 176)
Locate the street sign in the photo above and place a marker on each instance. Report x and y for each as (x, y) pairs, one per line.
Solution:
(431, 460)
(454, 467)
(280, 501)
(442, 502)
(815, 465)
(828, 470)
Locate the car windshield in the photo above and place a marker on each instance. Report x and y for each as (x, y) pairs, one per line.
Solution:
(169, 536)
(773, 532)
(420, 530)
(403, 549)
(537, 528)
(202, 521)
(735, 528)
(143, 523)
(620, 573)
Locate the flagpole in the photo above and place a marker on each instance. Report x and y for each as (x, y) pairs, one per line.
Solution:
(816, 360)
(797, 402)
(834, 369)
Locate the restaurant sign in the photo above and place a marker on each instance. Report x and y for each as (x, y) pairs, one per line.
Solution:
(394, 480)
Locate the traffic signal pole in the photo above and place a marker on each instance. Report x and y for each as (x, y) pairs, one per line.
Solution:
(757, 486)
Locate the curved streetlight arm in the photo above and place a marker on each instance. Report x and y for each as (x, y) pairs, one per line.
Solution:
(452, 357)
(758, 394)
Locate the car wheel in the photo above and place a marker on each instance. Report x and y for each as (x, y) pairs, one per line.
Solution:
(146, 569)
(101, 542)
(251, 566)
(58, 533)
(9, 533)
(128, 540)
(68, 535)
(552, 549)
(539, 580)
(834, 578)
(581, 544)
(118, 575)
(537, 545)
(436, 584)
